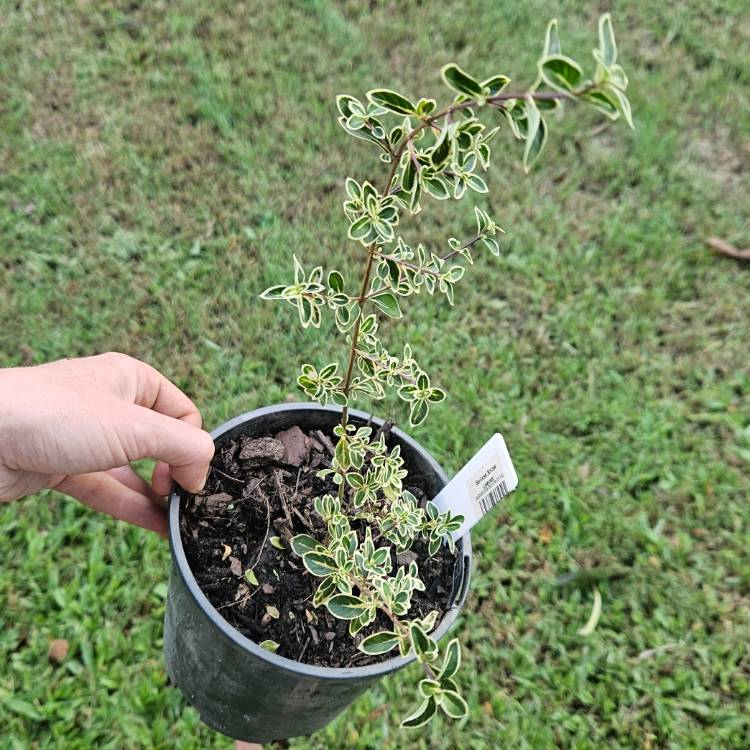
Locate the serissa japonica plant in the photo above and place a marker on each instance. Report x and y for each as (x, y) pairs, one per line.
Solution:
(433, 154)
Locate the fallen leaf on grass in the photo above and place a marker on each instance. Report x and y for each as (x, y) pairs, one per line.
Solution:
(722, 247)
(596, 613)
(58, 650)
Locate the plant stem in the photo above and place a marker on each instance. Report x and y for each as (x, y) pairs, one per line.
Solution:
(446, 257)
(355, 336)
(372, 249)
(360, 304)
(403, 629)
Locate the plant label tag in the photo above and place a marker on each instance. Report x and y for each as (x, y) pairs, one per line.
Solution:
(480, 485)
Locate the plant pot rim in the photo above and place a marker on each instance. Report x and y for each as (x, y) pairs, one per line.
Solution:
(230, 632)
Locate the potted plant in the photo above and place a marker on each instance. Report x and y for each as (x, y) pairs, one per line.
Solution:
(314, 561)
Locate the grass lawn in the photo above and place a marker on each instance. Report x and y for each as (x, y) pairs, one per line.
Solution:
(160, 164)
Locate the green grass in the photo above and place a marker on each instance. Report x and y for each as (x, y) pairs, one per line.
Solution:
(161, 162)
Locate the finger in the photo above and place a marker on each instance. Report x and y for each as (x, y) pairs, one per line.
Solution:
(161, 479)
(156, 392)
(130, 478)
(187, 449)
(104, 493)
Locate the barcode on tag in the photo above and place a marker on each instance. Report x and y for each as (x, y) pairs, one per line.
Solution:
(480, 485)
(493, 497)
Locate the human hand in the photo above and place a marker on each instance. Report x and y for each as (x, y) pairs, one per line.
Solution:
(75, 426)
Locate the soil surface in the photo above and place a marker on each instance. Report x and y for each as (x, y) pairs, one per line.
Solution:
(262, 488)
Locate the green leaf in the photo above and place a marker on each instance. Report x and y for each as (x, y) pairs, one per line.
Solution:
(453, 704)
(495, 85)
(436, 187)
(476, 183)
(551, 40)
(345, 606)
(434, 546)
(623, 104)
(536, 135)
(251, 578)
(355, 479)
(353, 188)
(422, 715)
(492, 245)
(388, 303)
(607, 45)
(424, 647)
(273, 292)
(319, 563)
(348, 104)
(410, 175)
(278, 542)
(336, 281)
(452, 660)
(304, 543)
(326, 588)
(361, 228)
(418, 412)
(442, 149)
(392, 101)
(604, 102)
(269, 645)
(617, 77)
(379, 643)
(461, 81)
(561, 72)
(342, 453)
(429, 687)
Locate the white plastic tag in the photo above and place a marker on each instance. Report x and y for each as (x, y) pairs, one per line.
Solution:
(480, 485)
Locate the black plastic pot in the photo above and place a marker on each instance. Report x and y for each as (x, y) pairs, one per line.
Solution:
(240, 689)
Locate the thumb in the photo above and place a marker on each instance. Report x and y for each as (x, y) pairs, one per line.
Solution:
(187, 449)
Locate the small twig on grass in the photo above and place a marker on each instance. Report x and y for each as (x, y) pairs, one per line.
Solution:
(722, 247)
(649, 652)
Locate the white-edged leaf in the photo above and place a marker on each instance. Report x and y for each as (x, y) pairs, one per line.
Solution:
(422, 715)
(388, 303)
(453, 704)
(560, 72)
(345, 606)
(452, 660)
(304, 543)
(552, 39)
(607, 44)
(461, 81)
(319, 563)
(392, 101)
(536, 135)
(379, 643)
